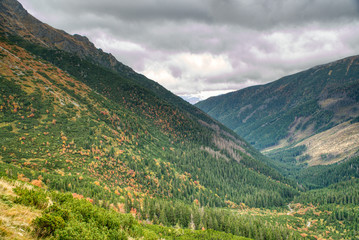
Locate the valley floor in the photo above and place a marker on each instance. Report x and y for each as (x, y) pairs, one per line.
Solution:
(22, 208)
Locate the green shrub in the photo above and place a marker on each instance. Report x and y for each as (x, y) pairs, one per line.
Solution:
(150, 235)
(47, 224)
(5, 199)
(31, 197)
(76, 230)
(61, 197)
(58, 211)
(118, 235)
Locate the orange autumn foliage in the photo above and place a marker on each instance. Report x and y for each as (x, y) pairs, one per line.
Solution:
(37, 182)
(22, 177)
(78, 196)
(133, 212)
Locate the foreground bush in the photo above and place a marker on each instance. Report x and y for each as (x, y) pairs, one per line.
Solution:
(31, 197)
(47, 224)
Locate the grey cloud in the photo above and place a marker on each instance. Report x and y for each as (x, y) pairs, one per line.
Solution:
(268, 14)
(176, 71)
(195, 25)
(262, 39)
(252, 14)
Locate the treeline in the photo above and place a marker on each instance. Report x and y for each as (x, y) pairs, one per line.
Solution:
(338, 205)
(323, 176)
(237, 184)
(342, 193)
(285, 160)
(70, 218)
(174, 213)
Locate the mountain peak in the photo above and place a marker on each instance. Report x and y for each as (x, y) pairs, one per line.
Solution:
(14, 6)
(17, 21)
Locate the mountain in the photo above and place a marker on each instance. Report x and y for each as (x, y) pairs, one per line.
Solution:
(90, 150)
(17, 21)
(305, 119)
(79, 125)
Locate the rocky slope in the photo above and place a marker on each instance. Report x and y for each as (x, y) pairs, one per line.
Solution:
(17, 21)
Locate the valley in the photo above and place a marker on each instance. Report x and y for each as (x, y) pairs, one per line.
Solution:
(91, 149)
(300, 121)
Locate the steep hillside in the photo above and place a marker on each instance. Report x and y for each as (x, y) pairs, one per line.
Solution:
(17, 21)
(53, 123)
(309, 117)
(82, 127)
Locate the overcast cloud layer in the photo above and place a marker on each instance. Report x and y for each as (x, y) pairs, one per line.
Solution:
(203, 48)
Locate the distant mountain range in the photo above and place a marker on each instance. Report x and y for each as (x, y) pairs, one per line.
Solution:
(308, 118)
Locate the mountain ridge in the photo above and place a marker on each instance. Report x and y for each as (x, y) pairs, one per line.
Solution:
(20, 23)
(283, 113)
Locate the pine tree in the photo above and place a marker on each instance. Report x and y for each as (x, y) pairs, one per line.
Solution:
(163, 217)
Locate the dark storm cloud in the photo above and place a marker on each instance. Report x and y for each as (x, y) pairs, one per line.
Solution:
(253, 14)
(268, 14)
(212, 46)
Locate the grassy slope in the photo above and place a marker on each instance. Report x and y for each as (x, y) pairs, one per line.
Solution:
(15, 221)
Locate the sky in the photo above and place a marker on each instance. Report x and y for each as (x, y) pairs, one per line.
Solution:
(203, 48)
